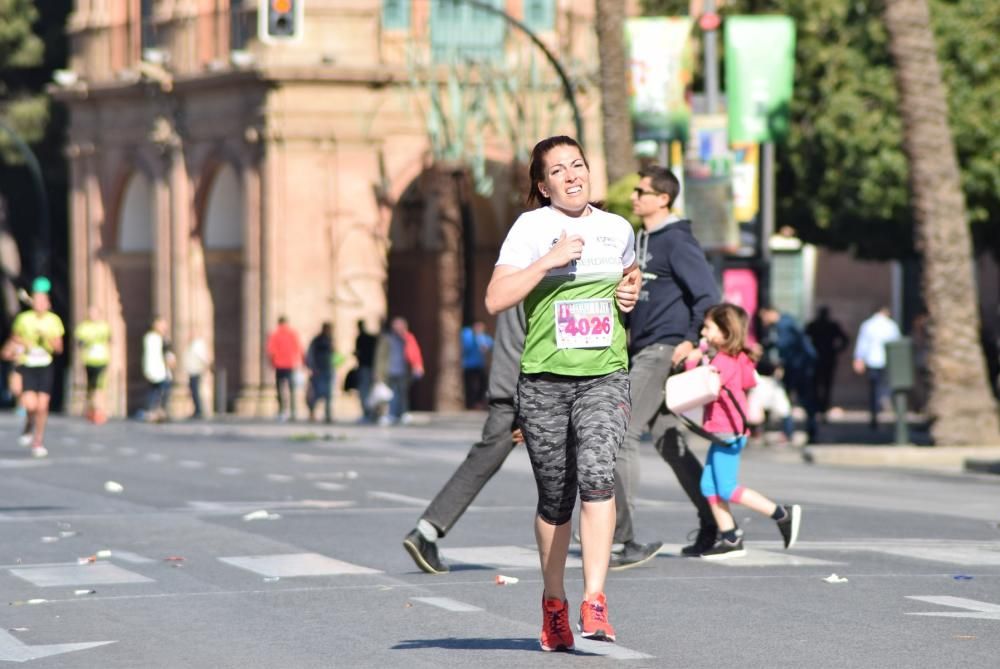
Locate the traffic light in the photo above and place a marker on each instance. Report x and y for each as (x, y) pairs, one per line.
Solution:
(280, 20)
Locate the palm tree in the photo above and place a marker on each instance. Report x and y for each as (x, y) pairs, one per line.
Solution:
(961, 405)
(616, 124)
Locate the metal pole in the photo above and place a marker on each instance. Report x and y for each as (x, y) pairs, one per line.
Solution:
(41, 256)
(902, 428)
(766, 221)
(711, 53)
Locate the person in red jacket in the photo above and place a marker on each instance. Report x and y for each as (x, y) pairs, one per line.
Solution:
(398, 363)
(285, 352)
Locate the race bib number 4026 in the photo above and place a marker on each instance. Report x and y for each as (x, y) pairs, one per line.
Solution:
(584, 323)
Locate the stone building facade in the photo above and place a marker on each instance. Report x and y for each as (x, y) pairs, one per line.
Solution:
(220, 181)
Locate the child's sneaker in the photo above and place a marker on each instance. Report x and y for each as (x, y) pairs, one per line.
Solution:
(789, 525)
(39, 451)
(556, 632)
(724, 550)
(25, 439)
(594, 619)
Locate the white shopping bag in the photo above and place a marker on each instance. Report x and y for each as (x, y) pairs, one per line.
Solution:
(693, 388)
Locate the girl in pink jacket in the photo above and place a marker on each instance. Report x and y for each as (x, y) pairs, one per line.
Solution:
(725, 331)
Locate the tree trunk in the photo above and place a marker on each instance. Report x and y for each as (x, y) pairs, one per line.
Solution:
(961, 405)
(448, 391)
(616, 122)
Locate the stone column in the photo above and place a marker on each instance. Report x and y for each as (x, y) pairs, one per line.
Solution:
(80, 262)
(253, 326)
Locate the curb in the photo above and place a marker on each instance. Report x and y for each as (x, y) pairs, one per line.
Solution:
(956, 458)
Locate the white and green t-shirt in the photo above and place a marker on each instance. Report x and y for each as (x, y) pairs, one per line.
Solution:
(574, 326)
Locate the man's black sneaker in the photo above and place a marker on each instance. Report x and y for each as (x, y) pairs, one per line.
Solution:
(724, 550)
(634, 554)
(704, 541)
(789, 525)
(424, 553)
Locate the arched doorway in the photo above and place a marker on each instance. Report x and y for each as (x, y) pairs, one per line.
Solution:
(222, 239)
(133, 274)
(420, 278)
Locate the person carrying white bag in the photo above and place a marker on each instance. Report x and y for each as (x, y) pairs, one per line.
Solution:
(722, 387)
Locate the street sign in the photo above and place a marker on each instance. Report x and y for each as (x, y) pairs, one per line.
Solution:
(760, 67)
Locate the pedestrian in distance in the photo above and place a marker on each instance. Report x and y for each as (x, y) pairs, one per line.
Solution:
(677, 288)
(364, 352)
(285, 352)
(797, 356)
(725, 332)
(320, 363)
(476, 346)
(156, 370)
(564, 260)
(36, 337)
(870, 359)
(398, 363)
(93, 339)
(196, 362)
(829, 340)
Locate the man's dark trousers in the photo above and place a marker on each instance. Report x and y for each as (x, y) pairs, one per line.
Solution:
(484, 459)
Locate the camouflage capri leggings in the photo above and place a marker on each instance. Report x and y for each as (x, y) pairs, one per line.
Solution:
(573, 427)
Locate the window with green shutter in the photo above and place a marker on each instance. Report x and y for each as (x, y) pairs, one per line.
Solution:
(540, 15)
(396, 14)
(460, 31)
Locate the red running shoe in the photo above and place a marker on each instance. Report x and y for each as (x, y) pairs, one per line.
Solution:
(594, 619)
(556, 632)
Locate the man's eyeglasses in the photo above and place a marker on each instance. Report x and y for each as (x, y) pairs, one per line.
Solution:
(640, 192)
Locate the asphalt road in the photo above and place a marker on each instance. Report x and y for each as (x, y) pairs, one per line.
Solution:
(318, 578)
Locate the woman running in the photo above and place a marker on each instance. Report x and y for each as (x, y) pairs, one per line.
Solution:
(565, 259)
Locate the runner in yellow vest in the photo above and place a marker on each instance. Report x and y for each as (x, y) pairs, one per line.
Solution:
(38, 335)
(93, 337)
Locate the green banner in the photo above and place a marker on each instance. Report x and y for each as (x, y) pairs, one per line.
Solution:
(660, 71)
(760, 67)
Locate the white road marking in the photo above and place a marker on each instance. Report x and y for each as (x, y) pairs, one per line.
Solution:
(330, 486)
(230, 471)
(127, 450)
(612, 650)
(97, 573)
(280, 478)
(129, 556)
(502, 557)
(97, 448)
(155, 457)
(243, 507)
(395, 497)
(448, 604)
(13, 649)
(974, 608)
(962, 553)
(296, 564)
(191, 464)
(757, 557)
